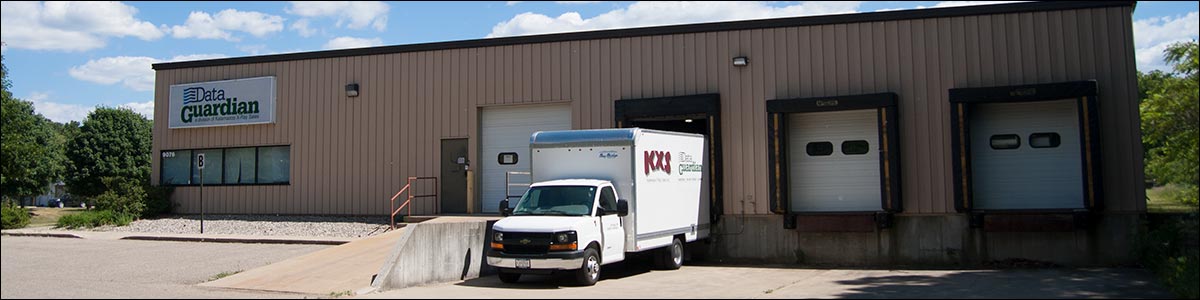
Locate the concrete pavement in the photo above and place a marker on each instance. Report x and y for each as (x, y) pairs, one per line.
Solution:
(38, 267)
(635, 280)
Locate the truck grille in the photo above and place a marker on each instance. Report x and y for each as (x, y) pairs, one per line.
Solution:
(538, 243)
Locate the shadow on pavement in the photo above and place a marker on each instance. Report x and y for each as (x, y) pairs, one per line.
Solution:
(1023, 283)
(632, 266)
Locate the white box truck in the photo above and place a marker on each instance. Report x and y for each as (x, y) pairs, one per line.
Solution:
(597, 195)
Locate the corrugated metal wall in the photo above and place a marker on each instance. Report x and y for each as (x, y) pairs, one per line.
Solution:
(350, 154)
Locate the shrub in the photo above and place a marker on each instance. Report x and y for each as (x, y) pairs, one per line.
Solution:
(1166, 250)
(122, 196)
(94, 218)
(158, 200)
(14, 216)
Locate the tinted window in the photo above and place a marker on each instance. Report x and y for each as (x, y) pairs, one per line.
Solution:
(212, 166)
(239, 165)
(858, 147)
(176, 167)
(1044, 140)
(274, 163)
(1006, 141)
(819, 148)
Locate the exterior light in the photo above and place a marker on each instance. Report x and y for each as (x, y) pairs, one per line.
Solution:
(741, 61)
(352, 90)
(687, 120)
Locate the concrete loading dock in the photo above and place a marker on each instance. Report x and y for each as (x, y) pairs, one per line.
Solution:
(347, 155)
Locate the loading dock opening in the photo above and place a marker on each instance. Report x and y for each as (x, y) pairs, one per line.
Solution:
(836, 198)
(673, 114)
(1060, 128)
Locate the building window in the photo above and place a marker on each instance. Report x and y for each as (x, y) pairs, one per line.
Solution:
(1006, 141)
(274, 163)
(858, 147)
(227, 166)
(176, 167)
(819, 148)
(212, 166)
(1044, 140)
(507, 158)
(239, 165)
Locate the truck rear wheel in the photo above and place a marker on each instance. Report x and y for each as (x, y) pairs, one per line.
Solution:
(589, 272)
(671, 257)
(509, 277)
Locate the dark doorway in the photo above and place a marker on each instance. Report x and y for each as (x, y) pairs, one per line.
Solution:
(454, 176)
(699, 114)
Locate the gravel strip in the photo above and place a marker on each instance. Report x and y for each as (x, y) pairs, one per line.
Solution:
(260, 225)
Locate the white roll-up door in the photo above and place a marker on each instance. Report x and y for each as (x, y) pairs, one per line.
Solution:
(1026, 155)
(507, 130)
(833, 161)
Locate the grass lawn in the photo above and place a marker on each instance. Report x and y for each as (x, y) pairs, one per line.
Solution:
(46, 216)
(1157, 202)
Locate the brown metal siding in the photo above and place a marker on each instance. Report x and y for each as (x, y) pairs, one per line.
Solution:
(349, 155)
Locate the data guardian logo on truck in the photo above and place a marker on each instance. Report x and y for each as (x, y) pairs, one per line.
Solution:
(687, 164)
(223, 103)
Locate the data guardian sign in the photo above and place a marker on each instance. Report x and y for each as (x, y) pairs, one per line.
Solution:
(223, 103)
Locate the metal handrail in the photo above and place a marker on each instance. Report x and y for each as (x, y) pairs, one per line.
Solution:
(408, 199)
(508, 183)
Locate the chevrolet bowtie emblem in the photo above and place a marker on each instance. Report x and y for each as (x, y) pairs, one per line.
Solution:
(525, 241)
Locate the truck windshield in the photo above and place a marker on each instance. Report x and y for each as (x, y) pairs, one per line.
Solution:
(556, 201)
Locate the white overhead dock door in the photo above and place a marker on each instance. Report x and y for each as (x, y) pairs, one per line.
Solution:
(1026, 155)
(507, 130)
(833, 161)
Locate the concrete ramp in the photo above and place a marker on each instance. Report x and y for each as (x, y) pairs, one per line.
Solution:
(348, 267)
(445, 249)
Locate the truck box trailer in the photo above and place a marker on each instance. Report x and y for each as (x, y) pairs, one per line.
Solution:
(600, 194)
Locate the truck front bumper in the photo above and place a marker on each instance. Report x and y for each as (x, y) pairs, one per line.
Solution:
(551, 261)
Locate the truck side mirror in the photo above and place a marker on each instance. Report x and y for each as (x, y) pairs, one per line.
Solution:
(622, 208)
(504, 210)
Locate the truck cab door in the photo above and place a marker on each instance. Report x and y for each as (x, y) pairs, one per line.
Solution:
(613, 231)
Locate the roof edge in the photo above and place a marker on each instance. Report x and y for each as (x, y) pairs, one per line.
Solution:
(896, 15)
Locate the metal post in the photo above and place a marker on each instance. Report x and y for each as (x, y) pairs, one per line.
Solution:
(201, 200)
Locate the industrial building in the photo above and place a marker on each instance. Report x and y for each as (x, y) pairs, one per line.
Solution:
(945, 136)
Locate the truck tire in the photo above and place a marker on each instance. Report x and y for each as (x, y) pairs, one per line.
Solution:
(671, 257)
(589, 272)
(509, 277)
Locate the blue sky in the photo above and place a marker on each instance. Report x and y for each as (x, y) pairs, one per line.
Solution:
(70, 57)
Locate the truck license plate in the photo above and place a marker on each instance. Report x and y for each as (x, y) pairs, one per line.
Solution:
(522, 263)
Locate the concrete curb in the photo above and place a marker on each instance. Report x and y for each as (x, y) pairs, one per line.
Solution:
(234, 240)
(33, 234)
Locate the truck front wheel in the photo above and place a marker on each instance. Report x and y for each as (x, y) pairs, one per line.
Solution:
(589, 273)
(509, 277)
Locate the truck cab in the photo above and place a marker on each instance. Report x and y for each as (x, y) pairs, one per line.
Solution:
(560, 225)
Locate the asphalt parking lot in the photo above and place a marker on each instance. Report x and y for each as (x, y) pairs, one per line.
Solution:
(36, 267)
(635, 280)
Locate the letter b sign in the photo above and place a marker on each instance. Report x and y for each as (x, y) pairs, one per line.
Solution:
(200, 161)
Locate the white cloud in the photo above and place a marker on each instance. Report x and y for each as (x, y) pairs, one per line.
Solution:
(133, 72)
(1152, 35)
(577, 2)
(70, 26)
(355, 15)
(511, 3)
(63, 112)
(204, 26)
(650, 13)
(301, 27)
(352, 42)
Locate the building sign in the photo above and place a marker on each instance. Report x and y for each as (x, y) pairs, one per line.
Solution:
(223, 103)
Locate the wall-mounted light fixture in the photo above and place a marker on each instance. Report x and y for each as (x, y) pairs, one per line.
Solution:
(687, 120)
(741, 61)
(352, 90)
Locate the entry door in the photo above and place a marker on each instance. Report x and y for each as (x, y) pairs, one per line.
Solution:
(833, 161)
(1026, 155)
(453, 192)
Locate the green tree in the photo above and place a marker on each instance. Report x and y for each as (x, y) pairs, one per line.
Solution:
(113, 142)
(27, 165)
(1170, 111)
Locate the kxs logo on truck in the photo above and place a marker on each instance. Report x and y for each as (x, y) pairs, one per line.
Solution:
(657, 161)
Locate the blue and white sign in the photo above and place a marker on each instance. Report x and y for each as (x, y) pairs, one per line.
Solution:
(223, 103)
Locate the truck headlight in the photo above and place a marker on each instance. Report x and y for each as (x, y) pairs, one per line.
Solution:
(498, 236)
(561, 238)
